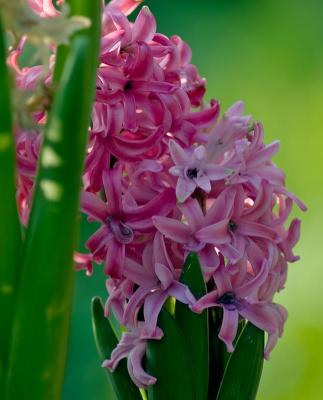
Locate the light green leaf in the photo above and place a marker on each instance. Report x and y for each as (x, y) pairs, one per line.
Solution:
(168, 360)
(243, 371)
(106, 341)
(195, 327)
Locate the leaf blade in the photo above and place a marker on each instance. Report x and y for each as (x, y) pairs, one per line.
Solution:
(243, 371)
(46, 287)
(106, 341)
(168, 360)
(10, 234)
(195, 327)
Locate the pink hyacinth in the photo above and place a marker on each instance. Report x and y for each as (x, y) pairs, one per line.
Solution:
(165, 175)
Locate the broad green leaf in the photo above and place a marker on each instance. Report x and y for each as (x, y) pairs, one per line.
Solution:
(168, 360)
(38, 353)
(243, 371)
(106, 341)
(195, 327)
(10, 234)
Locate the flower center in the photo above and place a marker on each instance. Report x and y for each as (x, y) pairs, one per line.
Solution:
(192, 173)
(232, 226)
(127, 86)
(228, 299)
(122, 232)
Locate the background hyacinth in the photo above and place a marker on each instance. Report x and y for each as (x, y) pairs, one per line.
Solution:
(170, 179)
(168, 173)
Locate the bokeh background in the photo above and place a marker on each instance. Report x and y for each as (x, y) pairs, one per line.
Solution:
(269, 54)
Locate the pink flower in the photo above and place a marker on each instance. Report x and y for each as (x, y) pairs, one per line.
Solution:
(156, 280)
(132, 346)
(244, 221)
(185, 233)
(120, 223)
(234, 300)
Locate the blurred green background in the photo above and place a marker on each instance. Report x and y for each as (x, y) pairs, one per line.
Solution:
(269, 54)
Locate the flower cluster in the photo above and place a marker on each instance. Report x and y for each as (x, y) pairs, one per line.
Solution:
(166, 175)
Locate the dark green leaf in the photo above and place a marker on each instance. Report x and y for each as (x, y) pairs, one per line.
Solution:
(195, 326)
(106, 341)
(38, 353)
(168, 361)
(10, 235)
(243, 372)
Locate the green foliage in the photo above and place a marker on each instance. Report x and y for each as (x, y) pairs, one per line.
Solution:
(195, 327)
(106, 341)
(10, 236)
(168, 360)
(243, 371)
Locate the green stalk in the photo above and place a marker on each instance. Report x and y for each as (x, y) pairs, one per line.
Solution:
(39, 348)
(10, 235)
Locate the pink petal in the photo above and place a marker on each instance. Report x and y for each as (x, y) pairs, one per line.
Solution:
(193, 214)
(112, 188)
(179, 155)
(153, 304)
(184, 189)
(229, 327)
(144, 27)
(92, 205)
(135, 369)
(204, 118)
(164, 275)
(181, 293)
(214, 234)
(114, 261)
(204, 183)
(125, 6)
(207, 301)
(172, 229)
(255, 229)
(130, 117)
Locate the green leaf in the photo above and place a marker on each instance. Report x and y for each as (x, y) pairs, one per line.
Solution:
(195, 327)
(106, 341)
(10, 234)
(38, 353)
(168, 360)
(1, 378)
(243, 372)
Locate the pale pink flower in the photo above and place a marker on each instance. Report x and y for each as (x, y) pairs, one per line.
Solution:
(193, 170)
